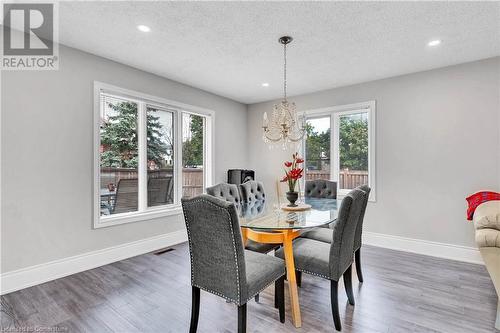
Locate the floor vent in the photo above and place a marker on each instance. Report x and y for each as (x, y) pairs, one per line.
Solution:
(159, 252)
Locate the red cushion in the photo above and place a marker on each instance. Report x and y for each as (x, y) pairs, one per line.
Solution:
(478, 198)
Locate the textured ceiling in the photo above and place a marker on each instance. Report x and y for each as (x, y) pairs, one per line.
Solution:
(230, 48)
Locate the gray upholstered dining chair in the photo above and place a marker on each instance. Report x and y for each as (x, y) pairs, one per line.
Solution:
(253, 197)
(220, 265)
(231, 193)
(251, 191)
(226, 192)
(332, 260)
(325, 235)
(358, 239)
(320, 188)
(253, 209)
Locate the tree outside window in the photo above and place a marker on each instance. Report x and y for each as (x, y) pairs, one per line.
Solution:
(353, 145)
(192, 145)
(353, 142)
(317, 148)
(119, 143)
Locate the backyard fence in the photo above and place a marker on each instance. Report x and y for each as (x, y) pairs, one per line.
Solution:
(347, 178)
(192, 178)
(192, 182)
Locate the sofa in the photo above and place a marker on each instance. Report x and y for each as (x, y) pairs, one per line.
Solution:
(487, 225)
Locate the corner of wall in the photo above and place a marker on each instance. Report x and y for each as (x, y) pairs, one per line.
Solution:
(247, 134)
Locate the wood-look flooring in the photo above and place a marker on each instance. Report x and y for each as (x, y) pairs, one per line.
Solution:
(402, 292)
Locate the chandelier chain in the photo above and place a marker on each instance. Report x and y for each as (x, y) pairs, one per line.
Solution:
(283, 125)
(284, 71)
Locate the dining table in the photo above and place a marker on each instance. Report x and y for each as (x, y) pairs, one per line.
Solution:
(271, 223)
(107, 200)
(107, 194)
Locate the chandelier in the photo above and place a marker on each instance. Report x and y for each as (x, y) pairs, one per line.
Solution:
(283, 125)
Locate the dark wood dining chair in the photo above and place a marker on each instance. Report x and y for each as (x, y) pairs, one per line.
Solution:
(332, 260)
(220, 265)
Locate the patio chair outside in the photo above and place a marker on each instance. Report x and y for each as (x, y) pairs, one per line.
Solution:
(126, 196)
(159, 191)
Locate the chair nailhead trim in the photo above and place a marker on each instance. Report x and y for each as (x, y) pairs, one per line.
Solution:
(320, 275)
(249, 298)
(190, 252)
(216, 293)
(234, 251)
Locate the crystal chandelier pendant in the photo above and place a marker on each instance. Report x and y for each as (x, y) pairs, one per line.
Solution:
(283, 126)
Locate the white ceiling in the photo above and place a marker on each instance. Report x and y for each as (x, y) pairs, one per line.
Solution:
(230, 48)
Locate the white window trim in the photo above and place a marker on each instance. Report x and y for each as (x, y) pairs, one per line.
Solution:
(334, 113)
(148, 213)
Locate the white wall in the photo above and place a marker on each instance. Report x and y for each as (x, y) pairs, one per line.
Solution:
(46, 137)
(437, 142)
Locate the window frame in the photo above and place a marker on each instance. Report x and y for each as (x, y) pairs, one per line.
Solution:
(335, 112)
(143, 100)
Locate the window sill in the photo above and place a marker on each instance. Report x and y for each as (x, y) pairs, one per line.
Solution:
(150, 214)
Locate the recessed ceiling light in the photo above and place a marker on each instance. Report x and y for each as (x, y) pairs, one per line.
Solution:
(265, 84)
(434, 42)
(143, 28)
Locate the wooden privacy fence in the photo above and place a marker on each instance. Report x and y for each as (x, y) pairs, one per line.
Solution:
(192, 182)
(347, 178)
(113, 175)
(353, 178)
(317, 174)
(192, 178)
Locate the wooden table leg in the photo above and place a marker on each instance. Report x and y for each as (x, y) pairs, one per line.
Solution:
(290, 274)
(284, 237)
(244, 236)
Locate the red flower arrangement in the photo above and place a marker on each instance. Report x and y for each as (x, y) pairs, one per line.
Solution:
(293, 172)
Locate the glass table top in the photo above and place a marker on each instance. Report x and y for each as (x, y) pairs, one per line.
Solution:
(263, 215)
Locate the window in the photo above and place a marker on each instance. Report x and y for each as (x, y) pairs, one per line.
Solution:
(149, 152)
(340, 146)
(160, 156)
(352, 143)
(192, 154)
(318, 148)
(119, 155)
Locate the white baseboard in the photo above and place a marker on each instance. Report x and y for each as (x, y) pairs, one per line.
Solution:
(30, 276)
(435, 249)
